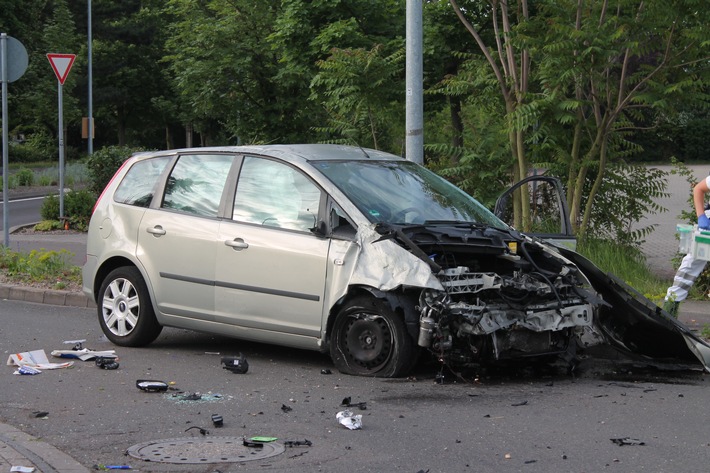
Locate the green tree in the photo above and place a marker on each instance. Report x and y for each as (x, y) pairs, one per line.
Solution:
(572, 77)
(360, 89)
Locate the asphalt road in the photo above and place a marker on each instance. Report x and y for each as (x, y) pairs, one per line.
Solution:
(525, 421)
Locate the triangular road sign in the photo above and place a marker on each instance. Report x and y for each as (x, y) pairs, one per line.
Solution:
(61, 63)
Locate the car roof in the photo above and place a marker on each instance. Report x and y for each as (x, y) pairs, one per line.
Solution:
(290, 152)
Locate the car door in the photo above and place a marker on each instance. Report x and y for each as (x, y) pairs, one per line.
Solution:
(548, 210)
(178, 237)
(271, 266)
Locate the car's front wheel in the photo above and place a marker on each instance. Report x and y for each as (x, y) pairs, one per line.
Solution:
(125, 312)
(369, 339)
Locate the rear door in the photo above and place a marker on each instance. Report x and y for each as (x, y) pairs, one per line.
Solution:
(177, 238)
(548, 210)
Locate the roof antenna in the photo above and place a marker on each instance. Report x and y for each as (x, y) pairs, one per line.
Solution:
(361, 149)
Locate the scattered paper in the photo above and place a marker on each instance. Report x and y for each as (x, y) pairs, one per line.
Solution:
(27, 370)
(349, 420)
(35, 359)
(23, 469)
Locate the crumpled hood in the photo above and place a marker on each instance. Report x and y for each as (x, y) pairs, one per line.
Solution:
(636, 326)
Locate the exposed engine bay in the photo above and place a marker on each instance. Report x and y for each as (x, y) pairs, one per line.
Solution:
(504, 295)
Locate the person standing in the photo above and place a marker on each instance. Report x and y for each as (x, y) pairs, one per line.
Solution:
(690, 268)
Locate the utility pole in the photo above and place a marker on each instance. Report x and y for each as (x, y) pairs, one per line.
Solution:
(415, 84)
(91, 91)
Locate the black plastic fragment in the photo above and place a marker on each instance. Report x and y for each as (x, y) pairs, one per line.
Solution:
(106, 362)
(347, 403)
(217, 420)
(250, 444)
(235, 364)
(627, 441)
(202, 431)
(286, 408)
(298, 443)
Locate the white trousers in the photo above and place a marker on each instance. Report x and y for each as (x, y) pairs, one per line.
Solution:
(689, 270)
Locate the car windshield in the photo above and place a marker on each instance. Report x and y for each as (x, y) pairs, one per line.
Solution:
(402, 192)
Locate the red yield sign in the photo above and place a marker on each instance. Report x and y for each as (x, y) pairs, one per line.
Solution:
(61, 63)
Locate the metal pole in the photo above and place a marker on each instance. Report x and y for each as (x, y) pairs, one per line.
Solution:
(415, 87)
(5, 168)
(61, 153)
(91, 92)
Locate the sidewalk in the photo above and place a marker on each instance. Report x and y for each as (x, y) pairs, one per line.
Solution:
(20, 449)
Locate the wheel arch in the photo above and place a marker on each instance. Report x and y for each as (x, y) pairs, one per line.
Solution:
(116, 262)
(403, 302)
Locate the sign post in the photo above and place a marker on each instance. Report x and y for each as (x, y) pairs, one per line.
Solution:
(13, 64)
(61, 64)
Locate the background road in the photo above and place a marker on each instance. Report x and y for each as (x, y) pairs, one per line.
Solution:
(507, 422)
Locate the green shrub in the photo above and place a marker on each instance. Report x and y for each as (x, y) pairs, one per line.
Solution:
(38, 147)
(48, 225)
(50, 208)
(104, 163)
(77, 208)
(25, 177)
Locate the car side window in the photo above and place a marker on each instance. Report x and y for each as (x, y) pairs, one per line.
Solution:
(138, 185)
(274, 194)
(196, 183)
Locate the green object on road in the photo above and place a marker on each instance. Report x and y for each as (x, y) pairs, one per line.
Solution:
(263, 439)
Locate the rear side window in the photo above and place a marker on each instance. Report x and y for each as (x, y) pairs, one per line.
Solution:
(138, 186)
(273, 194)
(196, 183)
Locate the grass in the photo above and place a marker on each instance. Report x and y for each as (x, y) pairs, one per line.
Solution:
(626, 263)
(48, 268)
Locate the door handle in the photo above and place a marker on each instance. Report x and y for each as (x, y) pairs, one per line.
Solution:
(156, 230)
(237, 244)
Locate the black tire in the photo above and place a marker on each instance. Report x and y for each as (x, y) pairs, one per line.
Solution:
(125, 311)
(369, 339)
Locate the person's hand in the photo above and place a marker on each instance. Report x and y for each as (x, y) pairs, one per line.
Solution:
(704, 222)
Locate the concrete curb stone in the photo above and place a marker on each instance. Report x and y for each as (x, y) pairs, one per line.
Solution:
(45, 296)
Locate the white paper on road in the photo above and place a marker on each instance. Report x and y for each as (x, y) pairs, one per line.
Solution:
(347, 419)
(35, 359)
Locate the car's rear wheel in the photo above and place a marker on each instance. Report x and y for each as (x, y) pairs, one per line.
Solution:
(369, 339)
(125, 312)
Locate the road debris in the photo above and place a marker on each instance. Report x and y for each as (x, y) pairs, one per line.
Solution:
(151, 385)
(286, 408)
(349, 420)
(235, 364)
(347, 403)
(627, 441)
(22, 469)
(107, 363)
(298, 443)
(202, 431)
(79, 352)
(217, 420)
(36, 359)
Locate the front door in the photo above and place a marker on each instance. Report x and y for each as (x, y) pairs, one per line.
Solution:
(271, 266)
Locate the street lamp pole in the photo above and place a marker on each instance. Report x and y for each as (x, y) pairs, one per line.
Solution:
(91, 92)
(415, 87)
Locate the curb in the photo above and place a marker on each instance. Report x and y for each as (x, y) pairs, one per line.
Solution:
(45, 296)
(18, 449)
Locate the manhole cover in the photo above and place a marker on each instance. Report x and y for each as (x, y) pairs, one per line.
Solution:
(207, 450)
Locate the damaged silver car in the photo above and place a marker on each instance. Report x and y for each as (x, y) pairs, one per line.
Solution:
(354, 252)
